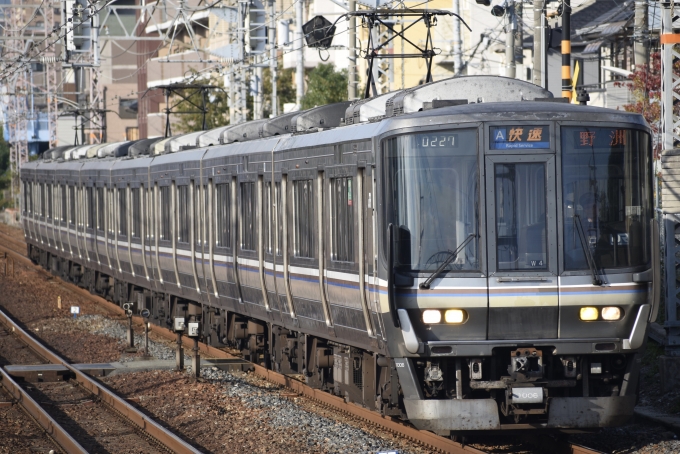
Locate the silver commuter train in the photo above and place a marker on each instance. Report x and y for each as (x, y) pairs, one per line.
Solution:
(480, 263)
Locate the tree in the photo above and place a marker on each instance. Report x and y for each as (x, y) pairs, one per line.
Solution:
(217, 109)
(325, 85)
(645, 87)
(285, 91)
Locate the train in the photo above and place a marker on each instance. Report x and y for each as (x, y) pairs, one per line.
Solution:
(471, 254)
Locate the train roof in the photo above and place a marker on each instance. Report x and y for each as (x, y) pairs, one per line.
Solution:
(461, 100)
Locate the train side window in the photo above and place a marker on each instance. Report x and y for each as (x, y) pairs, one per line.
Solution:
(279, 218)
(223, 215)
(248, 220)
(89, 192)
(49, 201)
(100, 209)
(166, 203)
(268, 223)
(183, 220)
(122, 211)
(72, 205)
(303, 198)
(136, 213)
(197, 215)
(342, 220)
(62, 197)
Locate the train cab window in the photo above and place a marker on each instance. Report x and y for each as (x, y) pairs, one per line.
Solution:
(183, 219)
(100, 209)
(166, 204)
(223, 201)
(72, 205)
(431, 193)
(122, 212)
(342, 220)
(248, 219)
(135, 195)
(521, 217)
(303, 198)
(607, 197)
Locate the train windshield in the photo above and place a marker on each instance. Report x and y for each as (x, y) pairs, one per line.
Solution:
(431, 190)
(606, 193)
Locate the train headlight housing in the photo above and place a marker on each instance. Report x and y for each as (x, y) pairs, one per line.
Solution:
(589, 314)
(454, 316)
(611, 313)
(431, 316)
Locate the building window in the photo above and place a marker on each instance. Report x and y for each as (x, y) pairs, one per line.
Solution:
(248, 219)
(223, 214)
(136, 213)
(166, 204)
(342, 221)
(303, 198)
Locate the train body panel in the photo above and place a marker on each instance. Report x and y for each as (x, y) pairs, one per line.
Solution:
(476, 267)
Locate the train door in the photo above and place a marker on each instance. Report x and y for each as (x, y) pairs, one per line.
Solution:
(522, 244)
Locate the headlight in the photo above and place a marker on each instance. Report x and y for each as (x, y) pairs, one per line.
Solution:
(589, 313)
(454, 316)
(611, 313)
(431, 316)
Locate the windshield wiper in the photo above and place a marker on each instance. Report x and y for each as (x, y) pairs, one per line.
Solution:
(586, 250)
(453, 254)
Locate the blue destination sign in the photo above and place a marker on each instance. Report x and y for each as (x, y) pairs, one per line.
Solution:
(519, 137)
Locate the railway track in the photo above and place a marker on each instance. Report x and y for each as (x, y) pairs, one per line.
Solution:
(428, 439)
(130, 427)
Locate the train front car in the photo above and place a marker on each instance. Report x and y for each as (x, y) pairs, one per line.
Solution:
(519, 264)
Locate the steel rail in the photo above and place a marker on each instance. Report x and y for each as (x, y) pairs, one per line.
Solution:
(394, 425)
(49, 424)
(146, 424)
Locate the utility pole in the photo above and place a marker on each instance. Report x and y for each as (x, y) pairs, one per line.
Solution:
(539, 35)
(566, 50)
(519, 39)
(457, 47)
(273, 60)
(511, 28)
(298, 43)
(352, 74)
(641, 35)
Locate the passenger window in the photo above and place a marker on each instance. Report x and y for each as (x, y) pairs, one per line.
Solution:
(223, 236)
(304, 218)
(122, 212)
(72, 205)
(342, 220)
(166, 203)
(89, 193)
(100, 209)
(62, 216)
(521, 217)
(183, 221)
(248, 220)
(136, 213)
(49, 201)
(267, 217)
(198, 231)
